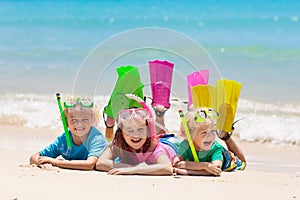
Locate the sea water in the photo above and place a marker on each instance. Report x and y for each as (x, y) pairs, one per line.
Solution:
(44, 45)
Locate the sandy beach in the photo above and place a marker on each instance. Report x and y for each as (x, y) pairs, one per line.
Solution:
(75, 47)
(273, 172)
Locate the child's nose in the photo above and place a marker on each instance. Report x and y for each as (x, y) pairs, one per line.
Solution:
(79, 123)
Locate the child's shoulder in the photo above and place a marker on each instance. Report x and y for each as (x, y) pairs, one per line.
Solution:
(217, 144)
(94, 132)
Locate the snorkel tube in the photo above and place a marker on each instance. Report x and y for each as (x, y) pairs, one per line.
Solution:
(188, 135)
(64, 121)
(151, 123)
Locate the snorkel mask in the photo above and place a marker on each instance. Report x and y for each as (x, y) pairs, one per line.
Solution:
(126, 115)
(84, 102)
(202, 115)
(145, 108)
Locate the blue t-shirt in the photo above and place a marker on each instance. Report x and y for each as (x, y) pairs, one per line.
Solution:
(93, 146)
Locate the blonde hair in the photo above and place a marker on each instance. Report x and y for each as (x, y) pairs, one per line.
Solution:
(95, 110)
(194, 126)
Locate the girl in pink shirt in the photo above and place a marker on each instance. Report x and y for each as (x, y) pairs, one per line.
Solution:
(135, 148)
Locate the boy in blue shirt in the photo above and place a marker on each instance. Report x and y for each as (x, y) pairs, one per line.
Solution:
(87, 142)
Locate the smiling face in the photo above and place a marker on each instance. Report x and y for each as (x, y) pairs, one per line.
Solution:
(135, 133)
(79, 121)
(204, 135)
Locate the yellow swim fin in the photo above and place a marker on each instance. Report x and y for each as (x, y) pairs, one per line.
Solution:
(203, 96)
(228, 92)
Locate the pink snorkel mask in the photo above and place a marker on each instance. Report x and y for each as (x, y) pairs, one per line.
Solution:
(151, 123)
(140, 114)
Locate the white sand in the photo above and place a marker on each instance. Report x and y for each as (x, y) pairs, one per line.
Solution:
(273, 172)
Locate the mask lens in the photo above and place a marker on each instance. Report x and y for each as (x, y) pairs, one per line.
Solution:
(202, 115)
(70, 102)
(142, 113)
(125, 114)
(213, 113)
(86, 102)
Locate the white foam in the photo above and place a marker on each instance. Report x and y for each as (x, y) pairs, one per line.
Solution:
(278, 123)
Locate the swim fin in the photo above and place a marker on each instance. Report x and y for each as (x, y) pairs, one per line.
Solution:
(161, 73)
(228, 92)
(204, 96)
(196, 78)
(128, 82)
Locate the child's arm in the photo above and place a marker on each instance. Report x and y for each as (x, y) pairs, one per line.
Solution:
(105, 161)
(88, 164)
(46, 162)
(34, 160)
(197, 168)
(163, 167)
(191, 172)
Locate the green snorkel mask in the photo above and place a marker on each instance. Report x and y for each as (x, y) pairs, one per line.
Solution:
(83, 102)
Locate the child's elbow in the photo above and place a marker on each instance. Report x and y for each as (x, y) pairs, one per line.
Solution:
(167, 170)
(101, 165)
(90, 166)
(34, 158)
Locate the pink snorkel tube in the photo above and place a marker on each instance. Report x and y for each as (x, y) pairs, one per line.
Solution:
(151, 123)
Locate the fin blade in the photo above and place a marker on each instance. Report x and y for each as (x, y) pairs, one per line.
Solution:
(161, 73)
(196, 78)
(227, 98)
(128, 82)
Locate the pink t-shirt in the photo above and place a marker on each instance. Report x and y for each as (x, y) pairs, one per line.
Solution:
(151, 157)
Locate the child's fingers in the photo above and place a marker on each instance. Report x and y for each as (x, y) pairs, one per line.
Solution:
(114, 172)
(46, 166)
(181, 171)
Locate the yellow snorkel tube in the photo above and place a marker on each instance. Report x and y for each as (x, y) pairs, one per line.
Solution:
(188, 135)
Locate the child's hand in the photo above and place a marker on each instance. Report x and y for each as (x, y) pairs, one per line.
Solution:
(214, 169)
(47, 166)
(46, 160)
(232, 157)
(119, 171)
(180, 171)
(181, 165)
(128, 170)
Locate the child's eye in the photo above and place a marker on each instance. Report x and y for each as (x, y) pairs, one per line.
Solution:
(203, 134)
(129, 131)
(85, 120)
(141, 130)
(74, 121)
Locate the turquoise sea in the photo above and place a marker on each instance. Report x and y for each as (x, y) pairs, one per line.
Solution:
(44, 45)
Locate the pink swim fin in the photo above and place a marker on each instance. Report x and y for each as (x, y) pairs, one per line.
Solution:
(196, 78)
(161, 73)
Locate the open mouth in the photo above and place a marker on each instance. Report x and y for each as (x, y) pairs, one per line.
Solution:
(136, 140)
(206, 143)
(79, 130)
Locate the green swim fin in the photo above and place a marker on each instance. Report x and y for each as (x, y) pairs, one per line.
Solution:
(228, 92)
(128, 82)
